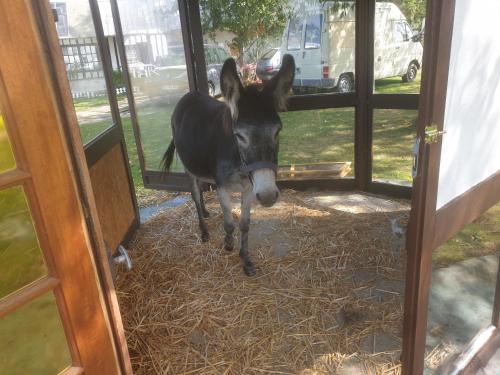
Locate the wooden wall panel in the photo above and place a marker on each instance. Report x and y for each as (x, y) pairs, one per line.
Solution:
(113, 196)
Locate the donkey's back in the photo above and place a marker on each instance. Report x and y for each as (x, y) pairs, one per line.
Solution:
(200, 126)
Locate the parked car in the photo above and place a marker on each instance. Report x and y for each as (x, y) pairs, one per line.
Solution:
(269, 64)
(322, 41)
(169, 76)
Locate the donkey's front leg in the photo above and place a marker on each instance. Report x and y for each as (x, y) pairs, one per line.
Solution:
(247, 197)
(225, 203)
(197, 198)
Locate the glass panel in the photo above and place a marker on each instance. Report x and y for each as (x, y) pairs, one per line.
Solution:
(7, 160)
(462, 289)
(398, 46)
(155, 53)
(394, 133)
(321, 139)
(33, 340)
(81, 55)
(21, 260)
(319, 35)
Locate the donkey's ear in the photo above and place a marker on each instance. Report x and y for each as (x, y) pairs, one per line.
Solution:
(281, 84)
(230, 85)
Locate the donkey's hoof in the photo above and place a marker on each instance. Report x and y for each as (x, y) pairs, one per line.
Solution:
(229, 244)
(204, 237)
(206, 214)
(249, 269)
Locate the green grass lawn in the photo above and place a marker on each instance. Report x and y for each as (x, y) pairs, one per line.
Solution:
(482, 237)
(395, 85)
(82, 104)
(325, 135)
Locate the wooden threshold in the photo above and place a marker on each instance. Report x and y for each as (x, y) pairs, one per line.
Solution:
(466, 208)
(22, 296)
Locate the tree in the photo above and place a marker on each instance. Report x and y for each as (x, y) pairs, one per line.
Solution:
(246, 19)
(414, 10)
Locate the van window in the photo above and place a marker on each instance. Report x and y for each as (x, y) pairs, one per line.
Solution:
(400, 32)
(313, 32)
(294, 33)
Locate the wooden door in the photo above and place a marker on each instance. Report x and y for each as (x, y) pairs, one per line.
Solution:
(85, 42)
(458, 172)
(54, 311)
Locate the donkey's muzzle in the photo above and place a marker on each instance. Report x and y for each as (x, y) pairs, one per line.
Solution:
(268, 199)
(264, 186)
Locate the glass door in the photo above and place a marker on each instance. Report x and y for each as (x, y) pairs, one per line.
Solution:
(52, 314)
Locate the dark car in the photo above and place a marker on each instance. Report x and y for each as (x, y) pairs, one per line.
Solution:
(269, 64)
(169, 75)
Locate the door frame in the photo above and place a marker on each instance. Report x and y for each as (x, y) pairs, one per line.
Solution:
(80, 163)
(429, 228)
(37, 107)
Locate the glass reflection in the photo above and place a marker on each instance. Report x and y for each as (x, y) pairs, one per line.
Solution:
(463, 284)
(33, 340)
(320, 143)
(398, 46)
(21, 260)
(394, 133)
(319, 35)
(155, 54)
(81, 54)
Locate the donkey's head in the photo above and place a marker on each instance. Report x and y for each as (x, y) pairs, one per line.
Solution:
(256, 124)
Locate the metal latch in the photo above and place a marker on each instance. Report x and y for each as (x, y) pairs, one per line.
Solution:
(416, 148)
(123, 258)
(432, 133)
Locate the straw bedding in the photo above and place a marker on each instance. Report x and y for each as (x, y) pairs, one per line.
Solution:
(327, 298)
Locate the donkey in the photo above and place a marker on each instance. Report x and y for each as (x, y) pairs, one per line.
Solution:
(233, 145)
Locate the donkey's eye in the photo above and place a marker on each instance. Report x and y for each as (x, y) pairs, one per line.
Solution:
(240, 138)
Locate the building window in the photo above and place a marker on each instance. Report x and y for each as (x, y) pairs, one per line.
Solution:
(62, 18)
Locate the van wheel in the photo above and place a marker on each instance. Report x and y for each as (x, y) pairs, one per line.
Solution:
(411, 73)
(211, 89)
(345, 83)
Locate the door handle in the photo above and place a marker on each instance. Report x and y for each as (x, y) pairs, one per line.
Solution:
(303, 54)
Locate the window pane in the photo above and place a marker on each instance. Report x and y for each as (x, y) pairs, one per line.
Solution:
(7, 160)
(155, 53)
(21, 260)
(33, 340)
(398, 46)
(320, 141)
(319, 35)
(394, 133)
(80, 50)
(463, 284)
(294, 33)
(313, 32)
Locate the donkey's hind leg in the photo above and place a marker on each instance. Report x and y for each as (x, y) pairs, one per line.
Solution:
(200, 207)
(204, 211)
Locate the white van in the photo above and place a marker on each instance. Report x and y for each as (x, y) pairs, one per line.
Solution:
(322, 41)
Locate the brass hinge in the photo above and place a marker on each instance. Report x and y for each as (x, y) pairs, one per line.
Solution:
(432, 133)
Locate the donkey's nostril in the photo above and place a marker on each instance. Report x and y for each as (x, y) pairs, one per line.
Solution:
(258, 196)
(276, 195)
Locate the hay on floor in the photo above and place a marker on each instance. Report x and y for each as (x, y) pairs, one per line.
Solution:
(327, 298)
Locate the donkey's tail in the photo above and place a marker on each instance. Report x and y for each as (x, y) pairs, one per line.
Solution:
(168, 157)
